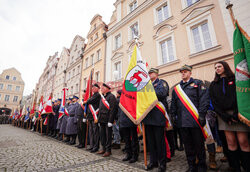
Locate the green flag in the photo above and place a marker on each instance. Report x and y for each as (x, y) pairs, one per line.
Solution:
(241, 46)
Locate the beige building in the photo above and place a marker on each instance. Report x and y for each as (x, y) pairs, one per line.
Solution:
(60, 81)
(74, 66)
(47, 79)
(171, 33)
(11, 89)
(94, 53)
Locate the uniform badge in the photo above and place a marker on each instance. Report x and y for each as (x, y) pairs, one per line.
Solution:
(195, 86)
(192, 84)
(230, 83)
(203, 88)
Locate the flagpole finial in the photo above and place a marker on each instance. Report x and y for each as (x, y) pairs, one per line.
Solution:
(136, 40)
(230, 9)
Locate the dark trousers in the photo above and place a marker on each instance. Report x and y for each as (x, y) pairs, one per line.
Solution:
(106, 137)
(131, 141)
(177, 131)
(94, 136)
(170, 137)
(81, 131)
(157, 146)
(193, 140)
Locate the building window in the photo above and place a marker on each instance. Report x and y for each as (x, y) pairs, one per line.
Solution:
(78, 69)
(7, 77)
(1, 86)
(71, 90)
(92, 60)
(96, 36)
(97, 76)
(14, 78)
(134, 30)
(98, 55)
(201, 37)
(9, 87)
(15, 98)
(76, 89)
(17, 88)
(118, 41)
(163, 13)
(167, 51)
(132, 6)
(85, 83)
(118, 69)
(86, 62)
(190, 2)
(7, 98)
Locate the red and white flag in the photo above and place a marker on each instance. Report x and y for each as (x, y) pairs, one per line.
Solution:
(40, 109)
(48, 107)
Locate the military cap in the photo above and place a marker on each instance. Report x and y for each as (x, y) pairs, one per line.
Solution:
(105, 85)
(75, 97)
(96, 85)
(186, 67)
(70, 99)
(59, 100)
(153, 70)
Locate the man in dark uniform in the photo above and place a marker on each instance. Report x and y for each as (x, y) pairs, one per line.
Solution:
(56, 115)
(64, 121)
(71, 129)
(94, 135)
(191, 132)
(51, 117)
(107, 110)
(155, 123)
(129, 131)
(81, 126)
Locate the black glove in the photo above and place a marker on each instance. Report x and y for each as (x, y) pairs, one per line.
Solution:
(202, 121)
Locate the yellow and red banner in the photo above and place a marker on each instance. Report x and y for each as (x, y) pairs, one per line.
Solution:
(138, 95)
(206, 131)
(162, 108)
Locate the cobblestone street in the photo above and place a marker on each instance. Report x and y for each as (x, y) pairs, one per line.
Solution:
(23, 150)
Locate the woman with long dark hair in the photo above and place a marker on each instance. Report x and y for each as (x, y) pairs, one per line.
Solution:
(223, 95)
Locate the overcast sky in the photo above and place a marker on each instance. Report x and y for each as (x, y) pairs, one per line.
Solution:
(33, 30)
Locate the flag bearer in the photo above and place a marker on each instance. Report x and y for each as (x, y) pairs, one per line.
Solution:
(155, 123)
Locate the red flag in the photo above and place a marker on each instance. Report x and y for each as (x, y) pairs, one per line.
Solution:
(40, 109)
(45, 121)
(48, 107)
(89, 86)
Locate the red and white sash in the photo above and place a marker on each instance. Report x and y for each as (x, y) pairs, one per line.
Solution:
(93, 111)
(105, 102)
(161, 107)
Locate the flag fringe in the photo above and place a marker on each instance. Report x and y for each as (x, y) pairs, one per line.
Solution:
(243, 32)
(244, 120)
(138, 121)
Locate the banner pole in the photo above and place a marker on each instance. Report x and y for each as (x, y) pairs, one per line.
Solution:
(144, 146)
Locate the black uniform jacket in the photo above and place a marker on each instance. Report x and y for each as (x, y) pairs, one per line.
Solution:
(199, 96)
(94, 101)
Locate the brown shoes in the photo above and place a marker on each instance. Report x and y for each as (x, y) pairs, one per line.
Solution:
(101, 152)
(107, 154)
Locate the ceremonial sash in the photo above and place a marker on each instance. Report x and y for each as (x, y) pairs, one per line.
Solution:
(93, 111)
(45, 121)
(192, 110)
(105, 102)
(82, 106)
(161, 107)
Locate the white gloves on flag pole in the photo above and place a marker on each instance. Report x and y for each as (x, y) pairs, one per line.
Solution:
(110, 124)
(84, 120)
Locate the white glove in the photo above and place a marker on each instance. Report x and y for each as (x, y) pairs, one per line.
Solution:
(110, 124)
(84, 120)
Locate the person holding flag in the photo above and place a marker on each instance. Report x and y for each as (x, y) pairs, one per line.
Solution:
(71, 128)
(155, 123)
(65, 121)
(223, 96)
(107, 110)
(190, 102)
(81, 123)
(92, 113)
(56, 108)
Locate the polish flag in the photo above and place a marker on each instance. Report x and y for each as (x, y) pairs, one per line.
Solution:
(40, 109)
(48, 107)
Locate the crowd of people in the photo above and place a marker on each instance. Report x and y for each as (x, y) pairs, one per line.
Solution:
(101, 124)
